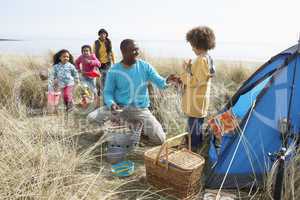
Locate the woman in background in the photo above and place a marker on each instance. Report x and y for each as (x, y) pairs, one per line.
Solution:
(103, 51)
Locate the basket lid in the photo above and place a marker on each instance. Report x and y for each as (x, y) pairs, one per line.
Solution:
(185, 159)
(182, 159)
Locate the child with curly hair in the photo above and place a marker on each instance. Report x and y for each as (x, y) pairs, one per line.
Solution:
(64, 76)
(196, 81)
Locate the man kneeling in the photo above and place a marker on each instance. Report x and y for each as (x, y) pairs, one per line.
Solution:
(126, 87)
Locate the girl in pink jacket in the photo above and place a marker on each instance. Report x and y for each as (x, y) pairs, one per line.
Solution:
(87, 65)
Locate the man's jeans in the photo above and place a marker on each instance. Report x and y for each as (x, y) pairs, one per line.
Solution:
(152, 128)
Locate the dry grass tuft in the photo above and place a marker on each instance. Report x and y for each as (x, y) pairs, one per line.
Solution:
(20, 82)
(38, 162)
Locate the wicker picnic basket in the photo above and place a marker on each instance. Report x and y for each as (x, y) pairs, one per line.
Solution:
(176, 172)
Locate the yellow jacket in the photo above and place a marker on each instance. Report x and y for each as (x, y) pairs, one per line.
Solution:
(103, 56)
(196, 81)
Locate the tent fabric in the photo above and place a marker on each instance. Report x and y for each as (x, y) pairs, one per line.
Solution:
(291, 50)
(246, 100)
(269, 96)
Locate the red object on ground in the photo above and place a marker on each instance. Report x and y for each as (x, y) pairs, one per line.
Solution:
(92, 74)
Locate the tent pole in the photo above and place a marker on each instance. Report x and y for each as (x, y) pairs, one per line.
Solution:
(218, 196)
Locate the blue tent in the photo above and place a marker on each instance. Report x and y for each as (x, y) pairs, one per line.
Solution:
(265, 102)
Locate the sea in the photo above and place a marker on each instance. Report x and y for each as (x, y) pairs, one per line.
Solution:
(234, 51)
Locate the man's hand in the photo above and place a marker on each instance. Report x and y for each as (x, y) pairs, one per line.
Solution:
(173, 79)
(115, 117)
(114, 107)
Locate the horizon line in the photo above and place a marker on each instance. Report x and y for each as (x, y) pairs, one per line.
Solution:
(9, 39)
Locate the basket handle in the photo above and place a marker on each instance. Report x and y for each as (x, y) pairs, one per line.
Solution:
(165, 146)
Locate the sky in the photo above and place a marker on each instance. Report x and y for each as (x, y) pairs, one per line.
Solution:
(249, 22)
(270, 21)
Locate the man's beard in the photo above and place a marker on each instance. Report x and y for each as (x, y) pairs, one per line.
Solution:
(131, 61)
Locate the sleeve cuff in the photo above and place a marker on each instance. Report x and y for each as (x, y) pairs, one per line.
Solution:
(164, 84)
(109, 103)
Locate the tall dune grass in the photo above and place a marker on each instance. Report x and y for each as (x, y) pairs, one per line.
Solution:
(40, 159)
(37, 164)
(20, 82)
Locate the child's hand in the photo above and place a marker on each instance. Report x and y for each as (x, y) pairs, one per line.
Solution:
(55, 88)
(55, 82)
(86, 60)
(186, 64)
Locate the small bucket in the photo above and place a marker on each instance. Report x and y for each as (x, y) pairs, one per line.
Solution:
(53, 98)
(115, 154)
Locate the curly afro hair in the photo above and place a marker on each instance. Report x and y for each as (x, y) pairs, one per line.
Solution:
(201, 37)
(56, 57)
